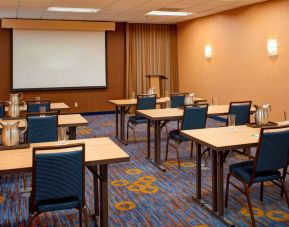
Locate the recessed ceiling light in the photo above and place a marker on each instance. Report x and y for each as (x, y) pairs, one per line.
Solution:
(74, 10)
(168, 13)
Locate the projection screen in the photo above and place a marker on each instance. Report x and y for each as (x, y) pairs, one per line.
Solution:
(46, 59)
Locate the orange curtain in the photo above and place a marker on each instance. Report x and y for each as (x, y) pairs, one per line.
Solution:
(151, 49)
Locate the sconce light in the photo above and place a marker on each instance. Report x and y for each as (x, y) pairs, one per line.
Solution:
(208, 51)
(272, 47)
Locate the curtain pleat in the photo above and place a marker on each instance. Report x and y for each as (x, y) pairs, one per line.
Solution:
(151, 49)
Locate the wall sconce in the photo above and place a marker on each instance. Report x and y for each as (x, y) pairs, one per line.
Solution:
(208, 51)
(272, 47)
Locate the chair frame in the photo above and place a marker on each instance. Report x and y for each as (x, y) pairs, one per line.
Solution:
(178, 94)
(43, 101)
(32, 212)
(132, 126)
(4, 105)
(247, 186)
(176, 144)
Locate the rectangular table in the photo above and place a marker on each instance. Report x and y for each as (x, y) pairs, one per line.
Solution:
(122, 106)
(58, 106)
(220, 140)
(99, 153)
(159, 115)
(72, 121)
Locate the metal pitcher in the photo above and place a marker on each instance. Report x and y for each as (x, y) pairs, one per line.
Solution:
(189, 99)
(151, 91)
(16, 98)
(14, 108)
(11, 133)
(262, 114)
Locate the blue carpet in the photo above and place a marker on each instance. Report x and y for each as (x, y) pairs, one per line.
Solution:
(141, 195)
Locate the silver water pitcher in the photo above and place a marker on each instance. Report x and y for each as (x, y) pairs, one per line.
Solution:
(11, 133)
(189, 99)
(262, 114)
(151, 91)
(14, 108)
(16, 98)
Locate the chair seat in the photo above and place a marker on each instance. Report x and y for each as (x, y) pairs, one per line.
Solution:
(243, 171)
(137, 120)
(58, 204)
(175, 135)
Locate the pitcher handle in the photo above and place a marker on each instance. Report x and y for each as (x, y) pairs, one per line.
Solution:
(20, 95)
(22, 102)
(26, 126)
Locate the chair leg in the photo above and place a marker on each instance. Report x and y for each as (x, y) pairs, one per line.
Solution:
(247, 192)
(80, 217)
(133, 131)
(192, 149)
(227, 190)
(167, 148)
(285, 192)
(178, 155)
(127, 128)
(261, 191)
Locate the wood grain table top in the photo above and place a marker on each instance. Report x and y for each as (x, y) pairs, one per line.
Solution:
(98, 151)
(53, 106)
(68, 120)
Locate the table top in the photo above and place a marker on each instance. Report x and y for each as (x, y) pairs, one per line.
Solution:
(175, 113)
(53, 106)
(98, 151)
(68, 120)
(224, 138)
(132, 102)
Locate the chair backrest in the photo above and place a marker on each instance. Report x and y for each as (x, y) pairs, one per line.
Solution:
(195, 116)
(42, 127)
(2, 109)
(146, 102)
(177, 100)
(242, 111)
(273, 149)
(58, 175)
(35, 106)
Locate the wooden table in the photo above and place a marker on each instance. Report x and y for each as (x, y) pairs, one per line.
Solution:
(219, 140)
(72, 121)
(53, 106)
(159, 115)
(122, 106)
(99, 153)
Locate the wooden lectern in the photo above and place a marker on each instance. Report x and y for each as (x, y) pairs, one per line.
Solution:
(158, 82)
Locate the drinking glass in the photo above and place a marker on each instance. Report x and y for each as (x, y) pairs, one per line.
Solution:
(62, 135)
(231, 121)
(214, 101)
(286, 115)
(132, 95)
(37, 98)
(167, 93)
(168, 104)
(42, 110)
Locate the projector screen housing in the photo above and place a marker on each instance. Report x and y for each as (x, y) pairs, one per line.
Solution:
(58, 60)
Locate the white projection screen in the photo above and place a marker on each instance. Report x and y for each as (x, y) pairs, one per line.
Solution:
(51, 60)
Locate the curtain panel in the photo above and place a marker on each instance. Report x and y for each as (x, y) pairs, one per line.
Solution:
(151, 49)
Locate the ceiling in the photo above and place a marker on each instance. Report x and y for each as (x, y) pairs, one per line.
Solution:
(117, 10)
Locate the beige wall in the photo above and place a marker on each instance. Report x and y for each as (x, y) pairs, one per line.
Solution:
(240, 68)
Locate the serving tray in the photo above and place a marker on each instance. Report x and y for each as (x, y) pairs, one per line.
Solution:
(269, 124)
(20, 146)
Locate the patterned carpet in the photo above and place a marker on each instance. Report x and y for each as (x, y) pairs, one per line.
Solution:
(141, 195)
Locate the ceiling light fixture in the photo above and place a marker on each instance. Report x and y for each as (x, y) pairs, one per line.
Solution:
(73, 10)
(168, 13)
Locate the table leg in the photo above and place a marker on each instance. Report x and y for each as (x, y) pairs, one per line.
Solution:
(104, 197)
(116, 121)
(148, 139)
(72, 133)
(198, 172)
(214, 181)
(220, 173)
(122, 124)
(96, 190)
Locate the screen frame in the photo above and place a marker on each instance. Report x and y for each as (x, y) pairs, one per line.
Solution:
(12, 89)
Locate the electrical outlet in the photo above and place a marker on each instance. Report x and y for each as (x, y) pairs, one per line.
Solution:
(76, 104)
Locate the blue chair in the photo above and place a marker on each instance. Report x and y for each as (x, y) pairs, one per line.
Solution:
(194, 117)
(241, 110)
(178, 100)
(36, 105)
(42, 128)
(271, 155)
(144, 102)
(2, 109)
(58, 180)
